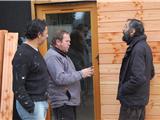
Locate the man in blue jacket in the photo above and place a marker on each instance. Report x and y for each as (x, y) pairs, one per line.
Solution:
(136, 72)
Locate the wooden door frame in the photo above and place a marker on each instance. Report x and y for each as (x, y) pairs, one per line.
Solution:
(39, 10)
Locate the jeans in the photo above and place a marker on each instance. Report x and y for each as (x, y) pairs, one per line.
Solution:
(39, 113)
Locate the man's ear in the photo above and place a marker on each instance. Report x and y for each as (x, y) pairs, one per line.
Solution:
(132, 32)
(39, 35)
(58, 42)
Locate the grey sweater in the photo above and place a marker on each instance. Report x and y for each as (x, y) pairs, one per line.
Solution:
(64, 87)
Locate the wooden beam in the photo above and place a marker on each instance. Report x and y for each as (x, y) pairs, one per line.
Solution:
(2, 38)
(10, 46)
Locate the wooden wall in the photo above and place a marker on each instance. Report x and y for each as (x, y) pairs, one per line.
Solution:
(111, 19)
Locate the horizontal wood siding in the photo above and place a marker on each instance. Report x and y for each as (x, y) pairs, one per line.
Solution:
(112, 16)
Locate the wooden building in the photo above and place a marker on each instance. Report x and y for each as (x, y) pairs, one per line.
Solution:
(105, 20)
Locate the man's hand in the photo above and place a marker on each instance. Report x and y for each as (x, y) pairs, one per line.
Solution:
(87, 72)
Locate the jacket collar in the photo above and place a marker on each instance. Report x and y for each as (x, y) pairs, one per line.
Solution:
(135, 40)
(60, 51)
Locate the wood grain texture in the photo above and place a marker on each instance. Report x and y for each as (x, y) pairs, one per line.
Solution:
(112, 16)
(152, 25)
(125, 5)
(116, 16)
(121, 47)
(2, 38)
(117, 58)
(113, 37)
(10, 46)
(113, 79)
(115, 68)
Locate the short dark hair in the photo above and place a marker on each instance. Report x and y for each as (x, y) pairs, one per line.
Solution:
(35, 27)
(58, 36)
(137, 25)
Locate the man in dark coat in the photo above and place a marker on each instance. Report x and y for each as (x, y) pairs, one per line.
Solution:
(136, 72)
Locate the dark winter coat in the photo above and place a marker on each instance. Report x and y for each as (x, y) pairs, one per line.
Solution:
(136, 72)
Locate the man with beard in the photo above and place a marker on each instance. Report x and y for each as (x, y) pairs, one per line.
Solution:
(136, 72)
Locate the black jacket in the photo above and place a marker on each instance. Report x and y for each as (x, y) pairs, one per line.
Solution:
(136, 72)
(30, 77)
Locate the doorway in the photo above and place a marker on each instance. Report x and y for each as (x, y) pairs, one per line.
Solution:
(79, 19)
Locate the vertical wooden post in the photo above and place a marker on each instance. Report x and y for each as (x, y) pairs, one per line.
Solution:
(2, 37)
(10, 46)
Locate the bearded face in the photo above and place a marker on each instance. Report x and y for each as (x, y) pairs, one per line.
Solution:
(127, 37)
(128, 33)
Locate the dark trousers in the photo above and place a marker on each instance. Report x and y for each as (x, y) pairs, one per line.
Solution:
(132, 113)
(65, 112)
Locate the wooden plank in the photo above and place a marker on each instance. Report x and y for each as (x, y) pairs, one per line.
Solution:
(110, 58)
(114, 110)
(106, 79)
(110, 109)
(118, 26)
(115, 68)
(156, 80)
(107, 5)
(108, 89)
(2, 37)
(123, 16)
(10, 46)
(109, 117)
(154, 99)
(121, 47)
(109, 68)
(113, 37)
(117, 58)
(115, 117)
(152, 110)
(152, 117)
(111, 100)
(112, 48)
(112, 89)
